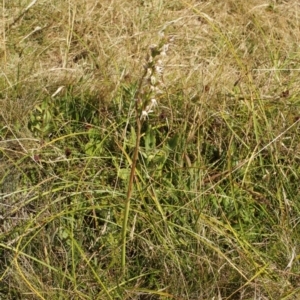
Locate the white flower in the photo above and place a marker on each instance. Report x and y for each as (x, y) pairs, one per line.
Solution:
(144, 115)
(159, 69)
(149, 109)
(149, 72)
(153, 80)
(164, 49)
(153, 103)
(156, 90)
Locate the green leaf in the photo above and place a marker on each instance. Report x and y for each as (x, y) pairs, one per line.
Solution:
(132, 138)
(150, 139)
(173, 142)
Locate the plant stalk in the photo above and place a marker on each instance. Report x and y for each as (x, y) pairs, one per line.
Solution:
(132, 172)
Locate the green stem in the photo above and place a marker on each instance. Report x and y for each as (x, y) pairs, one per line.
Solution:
(129, 193)
(132, 172)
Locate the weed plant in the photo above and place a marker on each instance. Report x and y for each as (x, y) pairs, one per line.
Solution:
(149, 149)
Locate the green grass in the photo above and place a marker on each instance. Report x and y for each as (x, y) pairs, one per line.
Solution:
(198, 199)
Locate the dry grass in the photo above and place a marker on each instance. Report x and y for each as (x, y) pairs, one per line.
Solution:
(214, 212)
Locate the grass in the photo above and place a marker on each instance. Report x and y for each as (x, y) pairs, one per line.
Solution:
(106, 197)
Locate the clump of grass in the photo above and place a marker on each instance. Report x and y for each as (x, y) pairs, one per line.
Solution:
(105, 197)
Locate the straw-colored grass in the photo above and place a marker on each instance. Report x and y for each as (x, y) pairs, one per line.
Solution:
(103, 197)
